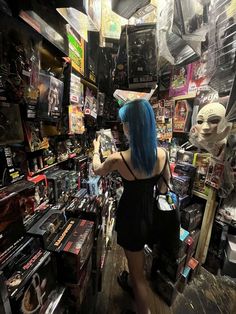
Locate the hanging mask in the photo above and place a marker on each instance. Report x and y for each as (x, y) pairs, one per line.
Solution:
(212, 129)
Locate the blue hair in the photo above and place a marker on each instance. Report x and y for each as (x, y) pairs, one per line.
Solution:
(139, 116)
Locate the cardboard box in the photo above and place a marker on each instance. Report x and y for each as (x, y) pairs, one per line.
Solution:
(11, 220)
(77, 291)
(58, 242)
(165, 287)
(183, 280)
(172, 268)
(30, 277)
(48, 227)
(191, 216)
(75, 251)
(193, 264)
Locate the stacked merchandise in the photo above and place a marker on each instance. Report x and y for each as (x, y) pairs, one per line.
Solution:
(54, 212)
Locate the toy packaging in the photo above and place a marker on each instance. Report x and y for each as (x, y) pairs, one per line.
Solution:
(33, 136)
(142, 55)
(48, 227)
(215, 174)
(11, 220)
(30, 279)
(76, 91)
(50, 100)
(182, 116)
(76, 120)
(11, 131)
(163, 110)
(191, 216)
(108, 146)
(75, 251)
(201, 162)
(9, 170)
(180, 81)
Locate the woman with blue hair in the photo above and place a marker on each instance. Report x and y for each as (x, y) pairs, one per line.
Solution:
(141, 167)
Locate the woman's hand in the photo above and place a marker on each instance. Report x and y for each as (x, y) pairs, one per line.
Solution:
(96, 144)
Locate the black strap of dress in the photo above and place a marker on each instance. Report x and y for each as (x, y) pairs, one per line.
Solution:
(128, 166)
(159, 175)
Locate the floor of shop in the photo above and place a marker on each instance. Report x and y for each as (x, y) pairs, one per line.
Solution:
(205, 295)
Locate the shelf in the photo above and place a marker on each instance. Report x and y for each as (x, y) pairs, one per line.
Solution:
(83, 79)
(183, 97)
(201, 195)
(32, 174)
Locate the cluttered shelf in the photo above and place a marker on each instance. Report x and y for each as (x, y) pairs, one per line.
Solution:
(31, 174)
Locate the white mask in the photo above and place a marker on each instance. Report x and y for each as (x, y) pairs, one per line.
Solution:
(212, 128)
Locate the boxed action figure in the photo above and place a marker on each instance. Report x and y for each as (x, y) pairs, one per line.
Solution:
(142, 55)
(172, 268)
(165, 287)
(50, 99)
(48, 227)
(191, 216)
(11, 220)
(58, 242)
(41, 192)
(201, 162)
(30, 279)
(78, 291)
(10, 171)
(57, 186)
(182, 116)
(107, 143)
(11, 131)
(75, 251)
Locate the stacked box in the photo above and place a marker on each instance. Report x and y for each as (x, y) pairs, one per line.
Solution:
(48, 227)
(75, 251)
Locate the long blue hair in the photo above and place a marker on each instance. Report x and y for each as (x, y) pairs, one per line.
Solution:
(139, 116)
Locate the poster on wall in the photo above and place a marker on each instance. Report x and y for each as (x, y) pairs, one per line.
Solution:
(76, 49)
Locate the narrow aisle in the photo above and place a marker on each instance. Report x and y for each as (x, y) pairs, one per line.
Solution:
(206, 294)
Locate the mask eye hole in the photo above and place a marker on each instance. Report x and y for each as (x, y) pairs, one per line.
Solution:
(199, 122)
(214, 121)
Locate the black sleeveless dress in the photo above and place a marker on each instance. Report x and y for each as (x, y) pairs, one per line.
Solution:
(134, 212)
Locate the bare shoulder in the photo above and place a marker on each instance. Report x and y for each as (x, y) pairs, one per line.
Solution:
(161, 153)
(115, 156)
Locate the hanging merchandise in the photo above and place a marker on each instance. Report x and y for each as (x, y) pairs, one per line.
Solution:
(222, 40)
(142, 55)
(212, 128)
(194, 18)
(163, 110)
(172, 47)
(182, 116)
(111, 22)
(199, 76)
(179, 83)
(76, 120)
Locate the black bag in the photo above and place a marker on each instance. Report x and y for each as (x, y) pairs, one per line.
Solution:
(166, 220)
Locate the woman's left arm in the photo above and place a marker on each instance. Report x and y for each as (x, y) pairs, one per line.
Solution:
(109, 165)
